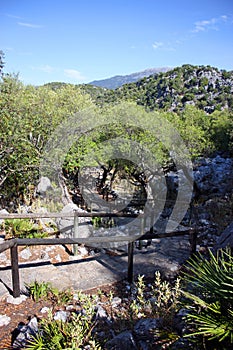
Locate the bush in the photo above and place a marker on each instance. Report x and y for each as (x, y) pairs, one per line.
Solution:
(210, 301)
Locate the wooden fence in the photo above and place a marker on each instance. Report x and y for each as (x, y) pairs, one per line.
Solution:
(13, 243)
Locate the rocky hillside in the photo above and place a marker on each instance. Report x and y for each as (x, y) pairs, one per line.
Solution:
(206, 87)
(119, 80)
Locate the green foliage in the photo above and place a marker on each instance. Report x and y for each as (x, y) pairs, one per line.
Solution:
(39, 290)
(44, 290)
(164, 299)
(23, 228)
(1, 61)
(28, 116)
(98, 222)
(210, 300)
(75, 333)
(59, 335)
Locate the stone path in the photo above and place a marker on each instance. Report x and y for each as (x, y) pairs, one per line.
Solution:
(103, 268)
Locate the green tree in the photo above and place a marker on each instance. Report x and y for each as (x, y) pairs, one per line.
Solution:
(2, 56)
(28, 115)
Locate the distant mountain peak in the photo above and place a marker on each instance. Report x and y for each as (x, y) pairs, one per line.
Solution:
(119, 80)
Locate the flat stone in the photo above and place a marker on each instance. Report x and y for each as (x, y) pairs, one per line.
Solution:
(4, 320)
(16, 301)
(25, 253)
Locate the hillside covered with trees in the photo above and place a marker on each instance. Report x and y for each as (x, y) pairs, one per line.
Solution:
(205, 87)
(184, 96)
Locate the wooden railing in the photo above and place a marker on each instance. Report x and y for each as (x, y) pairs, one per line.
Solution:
(13, 243)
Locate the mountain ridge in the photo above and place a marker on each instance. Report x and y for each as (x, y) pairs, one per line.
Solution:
(117, 81)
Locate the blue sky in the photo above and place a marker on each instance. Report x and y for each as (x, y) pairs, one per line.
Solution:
(78, 41)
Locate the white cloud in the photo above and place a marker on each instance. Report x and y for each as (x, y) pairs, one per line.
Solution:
(157, 45)
(45, 68)
(210, 24)
(224, 17)
(29, 25)
(13, 16)
(74, 74)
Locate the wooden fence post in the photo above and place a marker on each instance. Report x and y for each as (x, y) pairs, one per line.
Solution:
(15, 271)
(142, 229)
(152, 218)
(193, 240)
(75, 246)
(130, 261)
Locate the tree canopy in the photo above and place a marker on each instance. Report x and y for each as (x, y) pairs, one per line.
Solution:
(29, 116)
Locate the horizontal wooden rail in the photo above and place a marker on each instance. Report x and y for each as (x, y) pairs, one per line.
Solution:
(13, 244)
(97, 239)
(66, 215)
(7, 245)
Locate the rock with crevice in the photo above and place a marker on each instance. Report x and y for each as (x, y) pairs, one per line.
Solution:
(225, 239)
(124, 340)
(26, 333)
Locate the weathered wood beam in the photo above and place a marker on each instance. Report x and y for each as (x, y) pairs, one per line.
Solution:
(7, 245)
(15, 271)
(66, 215)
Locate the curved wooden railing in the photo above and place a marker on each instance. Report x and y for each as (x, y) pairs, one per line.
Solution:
(13, 243)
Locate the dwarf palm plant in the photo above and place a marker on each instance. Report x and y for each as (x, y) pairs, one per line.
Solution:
(210, 300)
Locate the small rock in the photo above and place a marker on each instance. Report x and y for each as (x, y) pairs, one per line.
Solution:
(100, 313)
(116, 301)
(49, 249)
(44, 185)
(58, 257)
(3, 257)
(69, 307)
(44, 310)
(61, 316)
(16, 301)
(3, 211)
(183, 312)
(45, 256)
(33, 325)
(25, 253)
(83, 251)
(4, 320)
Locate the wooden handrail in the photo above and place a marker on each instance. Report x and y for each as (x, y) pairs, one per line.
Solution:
(66, 215)
(13, 244)
(7, 245)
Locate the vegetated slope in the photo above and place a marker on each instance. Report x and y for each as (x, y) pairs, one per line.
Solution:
(119, 80)
(206, 87)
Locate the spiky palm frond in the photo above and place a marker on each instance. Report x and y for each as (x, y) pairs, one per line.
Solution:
(214, 276)
(210, 301)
